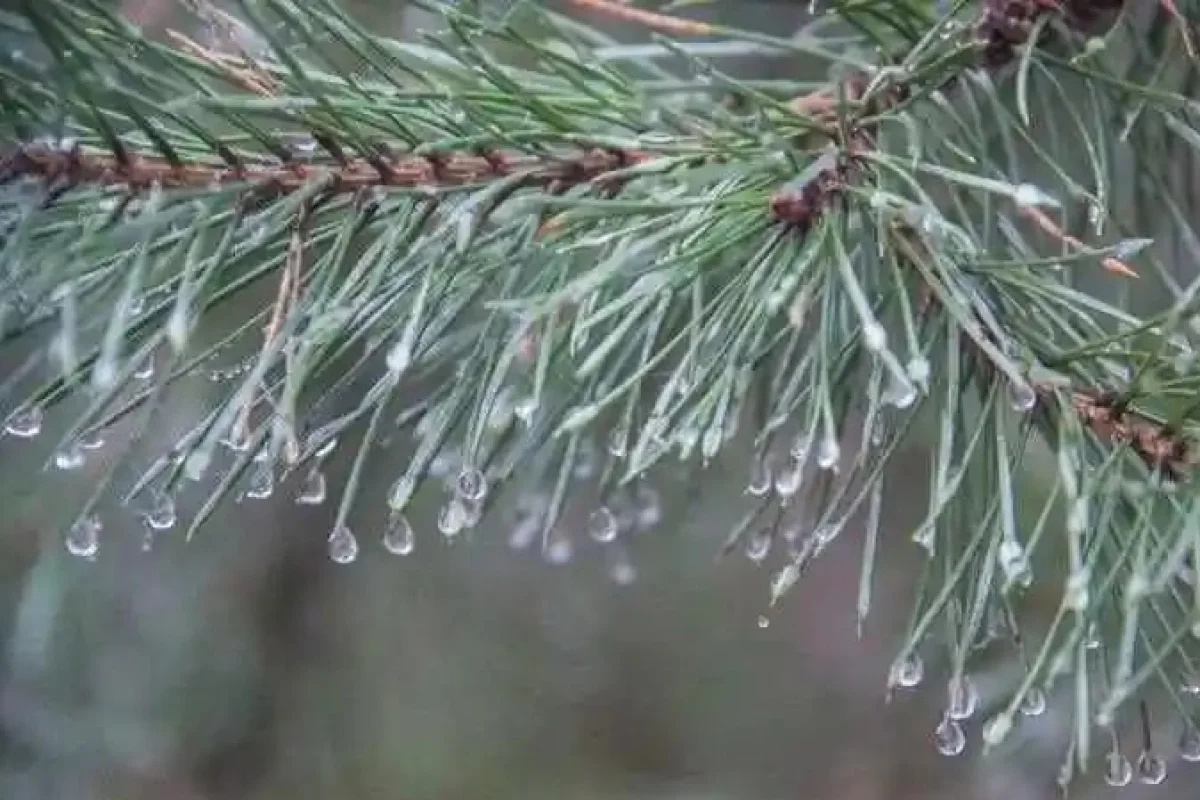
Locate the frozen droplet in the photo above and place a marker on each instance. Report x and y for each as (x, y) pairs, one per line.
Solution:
(949, 738)
(398, 537)
(452, 518)
(900, 391)
(399, 356)
(83, 539)
(758, 545)
(1117, 769)
(1033, 704)
(161, 514)
(963, 698)
(874, 337)
(70, 457)
(800, 447)
(523, 533)
(763, 621)
(908, 672)
(602, 525)
(1189, 743)
(262, 481)
(788, 480)
(647, 511)
(829, 454)
(471, 484)
(1151, 769)
(686, 439)
(1022, 397)
(343, 547)
(25, 423)
(760, 478)
(312, 491)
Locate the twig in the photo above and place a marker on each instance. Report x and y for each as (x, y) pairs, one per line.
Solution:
(650, 19)
(1039, 217)
(238, 70)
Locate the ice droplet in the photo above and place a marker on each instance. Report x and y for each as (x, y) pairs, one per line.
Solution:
(83, 539)
(963, 698)
(398, 537)
(829, 454)
(1033, 704)
(471, 484)
(69, 458)
(900, 392)
(1014, 563)
(343, 547)
(312, 491)
(758, 545)
(949, 738)
(788, 481)
(25, 423)
(602, 525)
(161, 515)
(1022, 396)
(1151, 769)
(763, 621)
(909, 672)
(1117, 769)
(452, 518)
(874, 337)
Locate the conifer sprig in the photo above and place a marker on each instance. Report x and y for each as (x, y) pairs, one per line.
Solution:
(523, 249)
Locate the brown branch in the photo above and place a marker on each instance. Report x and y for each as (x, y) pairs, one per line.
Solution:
(663, 23)
(1039, 217)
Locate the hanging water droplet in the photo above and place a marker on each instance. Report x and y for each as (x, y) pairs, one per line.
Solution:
(525, 409)
(918, 370)
(800, 447)
(25, 423)
(829, 454)
(69, 458)
(963, 698)
(1022, 397)
(83, 539)
(1117, 769)
(618, 441)
(471, 484)
(262, 481)
(91, 441)
(760, 478)
(900, 392)
(763, 621)
(647, 508)
(1033, 704)
(602, 525)
(398, 537)
(558, 549)
(949, 738)
(622, 571)
(1151, 769)
(161, 515)
(312, 491)
(874, 337)
(758, 545)
(452, 518)
(1189, 743)
(908, 673)
(788, 481)
(343, 546)
(1076, 595)
(145, 370)
(1014, 563)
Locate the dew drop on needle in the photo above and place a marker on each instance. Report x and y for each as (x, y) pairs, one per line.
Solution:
(399, 538)
(83, 539)
(312, 491)
(342, 545)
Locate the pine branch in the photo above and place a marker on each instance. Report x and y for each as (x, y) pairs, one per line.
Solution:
(500, 246)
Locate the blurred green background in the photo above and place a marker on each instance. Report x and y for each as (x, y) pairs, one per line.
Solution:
(246, 665)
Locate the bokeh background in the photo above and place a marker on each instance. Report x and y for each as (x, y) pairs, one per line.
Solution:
(246, 665)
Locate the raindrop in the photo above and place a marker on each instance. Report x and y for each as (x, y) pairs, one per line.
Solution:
(1117, 770)
(787, 482)
(829, 454)
(800, 447)
(343, 547)
(26, 423)
(760, 478)
(312, 491)
(602, 525)
(1014, 563)
(69, 458)
(83, 539)
(161, 515)
(949, 738)
(452, 518)
(874, 337)
(1033, 704)
(1022, 397)
(1151, 769)
(262, 482)
(472, 513)
(471, 484)
(963, 698)
(758, 545)
(1189, 743)
(909, 672)
(647, 508)
(398, 538)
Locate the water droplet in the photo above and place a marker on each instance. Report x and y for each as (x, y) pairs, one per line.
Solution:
(399, 538)
(763, 621)
(622, 571)
(800, 447)
(647, 508)
(996, 729)
(83, 539)
(1189, 743)
(1014, 563)
(900, 391)
(1022, 397)
(760, 478)
(343, 547)
(1092, 640)
(602, 525)
(262, 482)
(25, 423)
(91, 441)
(525, 409)
(69, 458)
(161, 514)
(874, 337)
(558, 549)
(909, 672)
(1076, 595)
(145, 370)
(1117, 770)
(1029, 195)
(758, 545)
(1151, 769)
(452, 518)
(312, 491)
(949, 738)
(788, 481)
(963, 698)
(918, 370)
(618, 441)
(587, 460)
(829, 454)
(471, 484)
(1033, 704)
